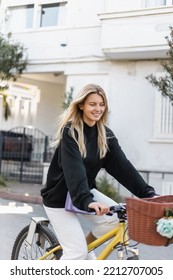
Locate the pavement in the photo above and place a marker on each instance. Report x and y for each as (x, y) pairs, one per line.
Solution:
(23, 192)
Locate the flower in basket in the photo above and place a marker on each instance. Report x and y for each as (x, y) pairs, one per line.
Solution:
(165, 224)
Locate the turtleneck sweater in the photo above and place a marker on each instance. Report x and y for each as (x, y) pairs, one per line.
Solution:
(69, 171)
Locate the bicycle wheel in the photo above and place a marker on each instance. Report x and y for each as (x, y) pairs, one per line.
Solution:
(43, 240)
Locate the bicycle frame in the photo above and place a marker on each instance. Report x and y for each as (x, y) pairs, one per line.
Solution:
(115, 237)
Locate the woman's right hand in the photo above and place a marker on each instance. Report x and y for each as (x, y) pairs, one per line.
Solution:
(99, 207)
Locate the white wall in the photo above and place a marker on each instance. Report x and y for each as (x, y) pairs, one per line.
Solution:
(132, 104)
(79, 80)
(50, 105)
(123, 5)
(84, 13)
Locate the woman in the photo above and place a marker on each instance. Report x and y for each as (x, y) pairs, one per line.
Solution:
(84, 145)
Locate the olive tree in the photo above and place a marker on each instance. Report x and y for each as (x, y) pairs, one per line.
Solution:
(13, 61)
(164, 83)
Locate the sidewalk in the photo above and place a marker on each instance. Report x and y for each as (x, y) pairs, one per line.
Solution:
(23, 192)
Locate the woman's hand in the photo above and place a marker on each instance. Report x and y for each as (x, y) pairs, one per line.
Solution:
(99, 207)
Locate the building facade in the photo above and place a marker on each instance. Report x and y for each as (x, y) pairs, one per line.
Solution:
(115, 44)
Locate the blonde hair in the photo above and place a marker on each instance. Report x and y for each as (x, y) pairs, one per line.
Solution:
(73, 114)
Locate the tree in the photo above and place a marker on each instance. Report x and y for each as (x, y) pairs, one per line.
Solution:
(68, 98)
(106, 187)
(164, 83)
(13, 61)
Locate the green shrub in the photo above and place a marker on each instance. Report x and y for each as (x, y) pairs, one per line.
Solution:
(2, 182)
(106, 187)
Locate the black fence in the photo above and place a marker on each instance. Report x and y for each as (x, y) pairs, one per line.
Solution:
(23, 151)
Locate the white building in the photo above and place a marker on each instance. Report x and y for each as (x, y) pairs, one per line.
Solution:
(110, 42)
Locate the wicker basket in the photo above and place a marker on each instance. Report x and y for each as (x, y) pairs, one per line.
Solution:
(142, 216)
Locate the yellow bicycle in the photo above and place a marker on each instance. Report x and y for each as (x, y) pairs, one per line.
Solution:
(37, 241)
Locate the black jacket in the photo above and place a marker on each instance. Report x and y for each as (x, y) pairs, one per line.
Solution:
(69, 171)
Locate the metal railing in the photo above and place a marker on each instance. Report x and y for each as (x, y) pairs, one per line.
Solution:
(161, 180)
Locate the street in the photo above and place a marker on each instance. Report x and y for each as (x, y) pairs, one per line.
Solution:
(14, 216)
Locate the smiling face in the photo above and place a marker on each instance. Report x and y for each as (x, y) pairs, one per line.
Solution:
(93, 108)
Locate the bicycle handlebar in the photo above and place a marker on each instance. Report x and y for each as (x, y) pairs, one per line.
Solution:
(119, 208)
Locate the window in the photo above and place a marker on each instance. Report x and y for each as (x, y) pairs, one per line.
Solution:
(163, 128)
(20, 17)
(52, 14)
(34, 16)
(157, 3)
